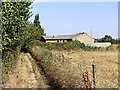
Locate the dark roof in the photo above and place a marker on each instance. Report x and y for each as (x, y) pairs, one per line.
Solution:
(60, 37)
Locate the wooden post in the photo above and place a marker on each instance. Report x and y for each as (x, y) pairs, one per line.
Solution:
(63, 58)
(68, 57)
(93, 67)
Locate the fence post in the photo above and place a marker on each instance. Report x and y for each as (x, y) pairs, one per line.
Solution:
(68, 58)
(63, 58)
(93, 67)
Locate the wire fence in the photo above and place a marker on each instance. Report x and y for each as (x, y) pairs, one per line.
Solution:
(99, 76)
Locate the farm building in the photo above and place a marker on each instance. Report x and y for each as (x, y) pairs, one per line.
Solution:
(99, 44)
(83, 38)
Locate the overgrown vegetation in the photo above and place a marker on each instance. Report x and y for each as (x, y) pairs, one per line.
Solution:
(16, 31)
(60, 70)
(73, 45)
(68, 46)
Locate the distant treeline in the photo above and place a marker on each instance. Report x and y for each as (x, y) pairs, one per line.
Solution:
(108, 38)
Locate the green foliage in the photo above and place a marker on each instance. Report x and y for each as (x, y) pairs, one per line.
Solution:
(14, 32)
(36, 21)
(14, 17)
(108, 38)
(33, 34)
(72, 45)
(37, 24)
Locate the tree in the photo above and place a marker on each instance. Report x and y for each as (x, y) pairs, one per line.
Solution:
(14, 22)
(107, 38)
(37, 24)
(36, 21)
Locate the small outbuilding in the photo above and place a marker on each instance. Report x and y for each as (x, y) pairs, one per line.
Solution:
(83, 38)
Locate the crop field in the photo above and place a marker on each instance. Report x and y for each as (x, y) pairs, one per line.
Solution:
(105, 62)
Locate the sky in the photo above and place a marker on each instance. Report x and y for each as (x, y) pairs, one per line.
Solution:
(67, 18)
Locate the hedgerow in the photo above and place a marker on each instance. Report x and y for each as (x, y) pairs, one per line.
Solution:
(72, 45)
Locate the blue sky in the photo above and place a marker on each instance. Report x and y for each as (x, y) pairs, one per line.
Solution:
(63, 18)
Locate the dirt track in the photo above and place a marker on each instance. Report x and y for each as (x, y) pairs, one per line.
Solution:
(23, 76)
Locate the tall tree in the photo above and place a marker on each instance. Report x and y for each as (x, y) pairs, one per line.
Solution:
(14, 21)
(36, 21)
(37, 24)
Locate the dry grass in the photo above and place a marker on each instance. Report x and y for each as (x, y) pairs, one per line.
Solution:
(68, 71)
(63, 73)
(106, 66)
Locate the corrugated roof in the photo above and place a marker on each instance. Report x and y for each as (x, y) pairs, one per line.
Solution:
(60, 37)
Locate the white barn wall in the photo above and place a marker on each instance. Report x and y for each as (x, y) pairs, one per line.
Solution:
(100, 44)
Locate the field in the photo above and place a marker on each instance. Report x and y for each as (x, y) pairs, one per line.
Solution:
(43, 68)
(106, 66)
